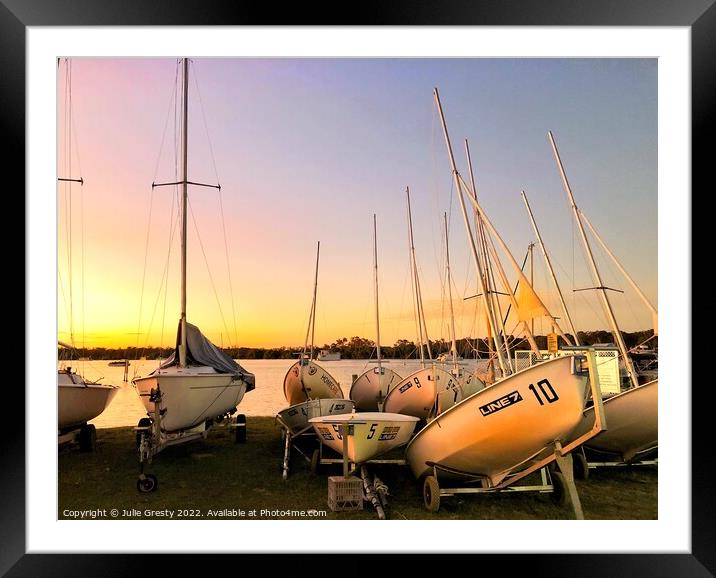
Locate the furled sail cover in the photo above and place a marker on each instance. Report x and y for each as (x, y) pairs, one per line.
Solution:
(201, 351)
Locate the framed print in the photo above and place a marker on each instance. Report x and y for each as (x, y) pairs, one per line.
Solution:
(622, 76)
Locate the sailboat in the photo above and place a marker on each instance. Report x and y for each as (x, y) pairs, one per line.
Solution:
(305, 379)
(370, 389)
(522, 421)
(79, 399)
(632, 415)
(429, 390)
(199, 383)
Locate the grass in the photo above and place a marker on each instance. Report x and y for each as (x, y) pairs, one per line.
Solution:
(218, 474)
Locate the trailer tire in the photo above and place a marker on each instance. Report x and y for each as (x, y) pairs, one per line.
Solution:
(559, 493)
(147, 484)
(431, 494)
(580, 466)
(315, 461)
(88, 438)
(240, 428)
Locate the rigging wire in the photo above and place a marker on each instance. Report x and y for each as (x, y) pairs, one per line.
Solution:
(221, 204)
(208, 269)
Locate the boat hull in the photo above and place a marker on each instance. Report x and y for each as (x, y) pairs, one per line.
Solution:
(505, 426)
(79, 402)
(309, 381)
(632, 422)
(416, 394)
(469, 382)
(371, 385)
(190, 395)
(295, 418)
(373, 433)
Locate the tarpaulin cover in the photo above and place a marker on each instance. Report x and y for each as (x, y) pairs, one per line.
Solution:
(201, 351)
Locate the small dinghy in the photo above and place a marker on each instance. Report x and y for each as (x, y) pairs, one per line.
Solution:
(424, 393)
(370, 434)
(307, 380)
(632, 423)
(295, 418)
(506, 426)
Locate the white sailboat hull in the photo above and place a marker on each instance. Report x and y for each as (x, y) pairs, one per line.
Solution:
(632, 422)
(373, 433)
(372, 384)
(79, 402)
(190, 395)
(505, 426)
(416, 394)
(469, 382)
(295, 418)
(309, 382)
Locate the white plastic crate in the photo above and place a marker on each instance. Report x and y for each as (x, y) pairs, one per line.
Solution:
(345, 494)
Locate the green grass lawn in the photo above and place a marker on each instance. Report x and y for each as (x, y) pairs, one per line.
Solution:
(218, 474)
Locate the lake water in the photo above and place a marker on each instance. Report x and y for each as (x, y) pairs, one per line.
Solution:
(266, 400)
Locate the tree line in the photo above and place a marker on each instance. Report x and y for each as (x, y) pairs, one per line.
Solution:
(362, 348)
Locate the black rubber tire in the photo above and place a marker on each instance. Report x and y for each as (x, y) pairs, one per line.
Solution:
(559, 493)
(240, 428)
(147, 484)
(88, 438)
(431, 494)
(144, 422)
(315, 461)
(580, 466)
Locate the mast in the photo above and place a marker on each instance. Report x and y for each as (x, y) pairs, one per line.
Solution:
(597, 277)
(473, 247)
(551, 270)
(422, 327)
(377, 316)
(312, 317)
(185, 131)
(653, 310)
(449, 282)
(489, 278)
(516, 268)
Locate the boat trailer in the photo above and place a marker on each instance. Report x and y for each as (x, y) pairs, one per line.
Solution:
(151, 439)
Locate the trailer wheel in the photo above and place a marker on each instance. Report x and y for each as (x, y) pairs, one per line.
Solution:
(88, 438)
(559, 493)
(315, 461)
(240, 428)
(580, 466)
(431, 494)
(144, 422)
(147, 484)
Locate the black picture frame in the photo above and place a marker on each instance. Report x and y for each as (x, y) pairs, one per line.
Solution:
(698, 15)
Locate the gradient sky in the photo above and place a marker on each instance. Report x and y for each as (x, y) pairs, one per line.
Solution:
(308, 150)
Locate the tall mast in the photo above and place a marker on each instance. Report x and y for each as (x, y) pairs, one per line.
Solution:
(449, 284)
(377, 316)
(489, 294)
(551, 271)
(654, 313)
(473, 247)
(185, 103)
(422, 327)
(516, 268)
(597, 277)
(313, 307)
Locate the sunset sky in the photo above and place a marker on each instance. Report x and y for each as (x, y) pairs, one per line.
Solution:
(307, 151)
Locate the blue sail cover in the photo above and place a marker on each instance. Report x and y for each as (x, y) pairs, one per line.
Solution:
(201, 351)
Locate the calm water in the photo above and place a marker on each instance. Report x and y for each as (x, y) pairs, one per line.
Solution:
(266, 400)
